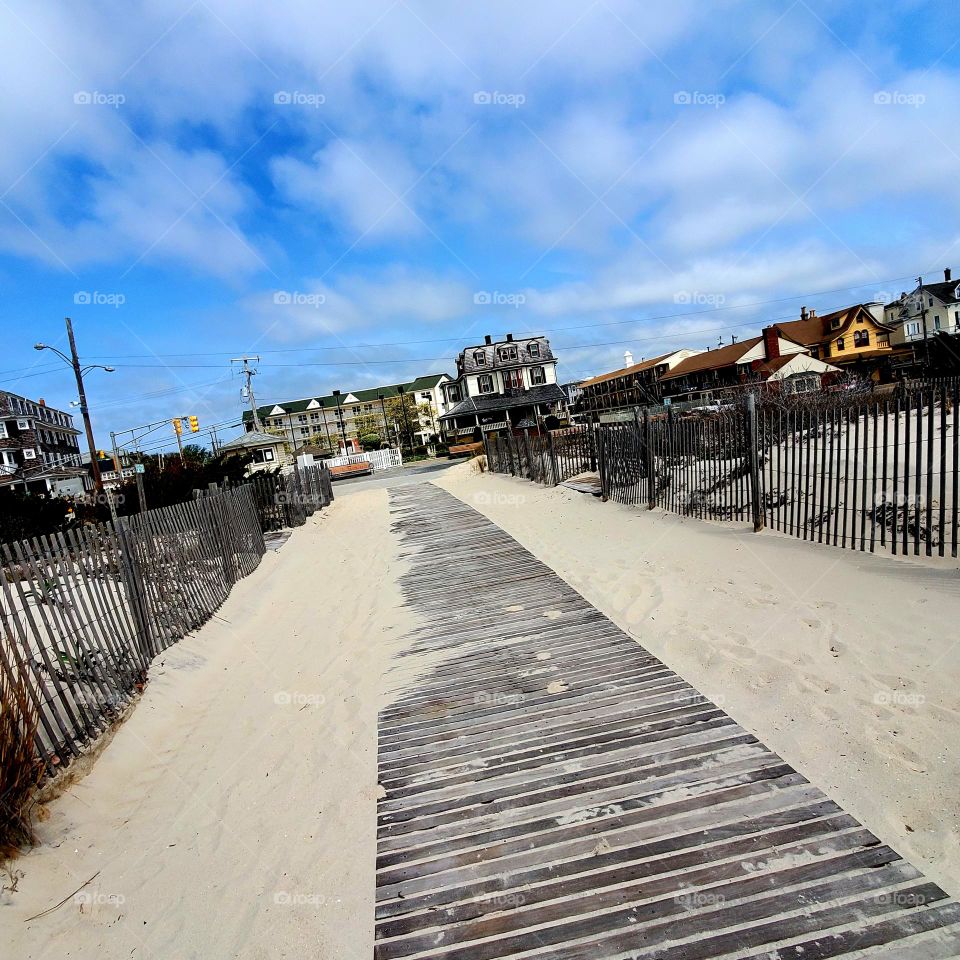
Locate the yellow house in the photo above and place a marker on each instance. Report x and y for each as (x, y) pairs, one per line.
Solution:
(852, 337)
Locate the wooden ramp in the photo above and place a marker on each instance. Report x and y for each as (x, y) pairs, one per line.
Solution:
(553, 790)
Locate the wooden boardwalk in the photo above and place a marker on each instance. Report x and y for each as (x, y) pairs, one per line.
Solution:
(553, 790)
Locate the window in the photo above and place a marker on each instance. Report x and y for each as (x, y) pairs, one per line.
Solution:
(861, 338)
(534, 349)
(23, 424)
(538, 375)
(835, 323)
(453, 393)
(508, 353)
(304, 431)
(3, 431)
(314, 417)
(929, 301)
(936, 323)
(29, 454)
(485, 383)
(513, 379)
(302, 418)
(480, 358)
(911, 329)
(425, 395)
(839, 344)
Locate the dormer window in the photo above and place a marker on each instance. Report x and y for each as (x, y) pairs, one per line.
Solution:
(835, 324)
(508, 353)
(480, 358)
(534, 349)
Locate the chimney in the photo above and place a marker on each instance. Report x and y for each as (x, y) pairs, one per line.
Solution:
(42, 402)
(627, 358)
(733, 338)
(803, 313)
(812, 313)
(946, 274)
(771, 342)
(488, 339)
(509, 338)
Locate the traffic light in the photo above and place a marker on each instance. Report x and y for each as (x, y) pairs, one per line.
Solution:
(194, 425)
(177, 426)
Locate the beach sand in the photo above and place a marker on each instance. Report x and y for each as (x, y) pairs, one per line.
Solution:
(233, 814)
(843, 663)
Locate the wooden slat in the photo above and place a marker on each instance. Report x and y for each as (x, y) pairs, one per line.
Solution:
(550, 789)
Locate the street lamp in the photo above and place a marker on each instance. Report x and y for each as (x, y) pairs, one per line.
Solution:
(383, 411)
(403, 408)
(79, 372)
(343, 431)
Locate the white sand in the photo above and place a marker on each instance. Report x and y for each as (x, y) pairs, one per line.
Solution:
(844, 664)
(222, 822)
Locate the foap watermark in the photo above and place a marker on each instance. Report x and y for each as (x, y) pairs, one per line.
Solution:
(699, 298)
(497, 698)
(695, 899)
(902, 898)
(698, 98)
(484, 499)
(98, 98)
(497, 98)
(898, 698)
(296, 698)
(100, 499)
(898, 98)
(501, 901)
(291, 497)
(299, 98)
(497, 298)
(98, 298)
(295, 298)
(296, 898)
(95, 898)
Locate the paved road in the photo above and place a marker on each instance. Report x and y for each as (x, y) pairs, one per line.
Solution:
(417, 472)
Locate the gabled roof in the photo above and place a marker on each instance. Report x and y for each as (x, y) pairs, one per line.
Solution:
(627, 371)
(329, 402)
(549, 393)
(713, 359)
(252, 439)
(817, 329)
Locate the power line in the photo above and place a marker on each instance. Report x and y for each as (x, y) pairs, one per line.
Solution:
(460, 338)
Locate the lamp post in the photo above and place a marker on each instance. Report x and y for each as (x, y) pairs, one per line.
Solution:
(401, 392)
(79, 372)
(383, 412)
(343, 431)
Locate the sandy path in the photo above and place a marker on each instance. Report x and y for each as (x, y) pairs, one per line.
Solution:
(232, 815)
(844, 664)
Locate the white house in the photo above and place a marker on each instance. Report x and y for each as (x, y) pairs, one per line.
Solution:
(941, 303)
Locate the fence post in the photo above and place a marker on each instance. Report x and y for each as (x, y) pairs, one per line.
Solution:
(754, 453)
(602, 464)
(528, 448)
(555, 474)
(648, 449)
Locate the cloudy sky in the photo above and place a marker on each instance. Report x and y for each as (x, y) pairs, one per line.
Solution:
(356, 191)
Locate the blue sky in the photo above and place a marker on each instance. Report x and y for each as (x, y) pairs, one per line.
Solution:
(190, 181)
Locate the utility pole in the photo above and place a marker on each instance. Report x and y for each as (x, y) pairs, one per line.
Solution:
(214, 441)
(249, 374)
(84, 412)
(343, 429)
(923, 318)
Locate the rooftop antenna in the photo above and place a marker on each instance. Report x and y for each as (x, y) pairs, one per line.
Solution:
(248, 373)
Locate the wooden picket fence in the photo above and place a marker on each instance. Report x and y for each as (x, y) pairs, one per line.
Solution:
(862, 472)
(83, 613)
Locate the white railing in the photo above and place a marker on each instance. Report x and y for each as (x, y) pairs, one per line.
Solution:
(378, 459)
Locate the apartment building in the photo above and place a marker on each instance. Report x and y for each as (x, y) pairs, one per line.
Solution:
(504, 385)
(336, 415)
(936, 303)
(39, 448)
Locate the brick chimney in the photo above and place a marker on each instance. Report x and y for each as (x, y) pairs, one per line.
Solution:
(509, 338)
(488, 339)
(771, 342)
(803, 313)
(946, 274)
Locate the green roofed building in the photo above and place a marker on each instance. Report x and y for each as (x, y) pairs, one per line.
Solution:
(313, 419)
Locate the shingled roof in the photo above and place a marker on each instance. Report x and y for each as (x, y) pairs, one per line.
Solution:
(330, 402)
(713, 359)
(627, 371)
